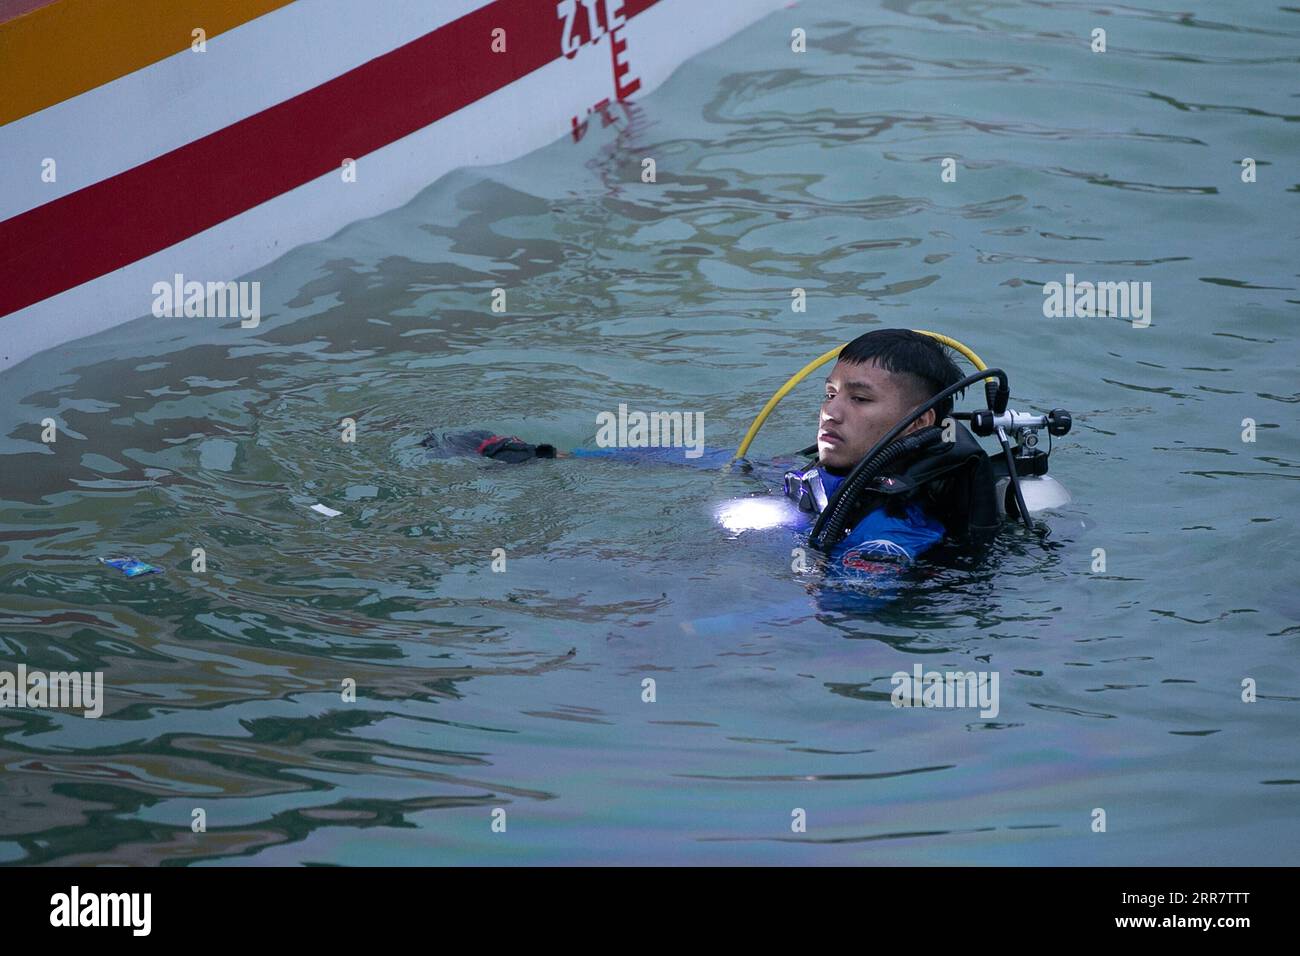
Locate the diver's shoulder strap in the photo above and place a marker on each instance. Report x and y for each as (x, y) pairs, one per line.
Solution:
(953, 481)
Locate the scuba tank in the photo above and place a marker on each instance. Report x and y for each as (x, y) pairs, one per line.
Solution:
(1039, 490)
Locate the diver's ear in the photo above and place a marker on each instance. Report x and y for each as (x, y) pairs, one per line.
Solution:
(917, 424)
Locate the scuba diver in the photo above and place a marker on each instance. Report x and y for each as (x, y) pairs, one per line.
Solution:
(895, 473)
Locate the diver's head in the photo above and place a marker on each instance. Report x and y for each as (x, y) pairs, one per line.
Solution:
(879, 378)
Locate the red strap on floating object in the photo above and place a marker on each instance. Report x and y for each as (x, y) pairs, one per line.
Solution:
(497, 438)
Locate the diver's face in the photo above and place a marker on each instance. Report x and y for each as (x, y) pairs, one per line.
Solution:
(862, 403)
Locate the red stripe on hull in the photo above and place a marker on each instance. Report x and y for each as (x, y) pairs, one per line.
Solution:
(146, 209)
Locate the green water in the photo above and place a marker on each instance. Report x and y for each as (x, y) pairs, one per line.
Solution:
(522, 690)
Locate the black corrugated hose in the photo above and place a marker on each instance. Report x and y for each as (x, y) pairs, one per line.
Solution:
(830, 523)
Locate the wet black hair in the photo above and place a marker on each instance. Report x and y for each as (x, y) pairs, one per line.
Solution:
(924, 362)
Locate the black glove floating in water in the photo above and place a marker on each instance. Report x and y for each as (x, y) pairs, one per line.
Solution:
(489, 445)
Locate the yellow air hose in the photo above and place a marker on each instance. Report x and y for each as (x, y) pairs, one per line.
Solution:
(817, 363)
